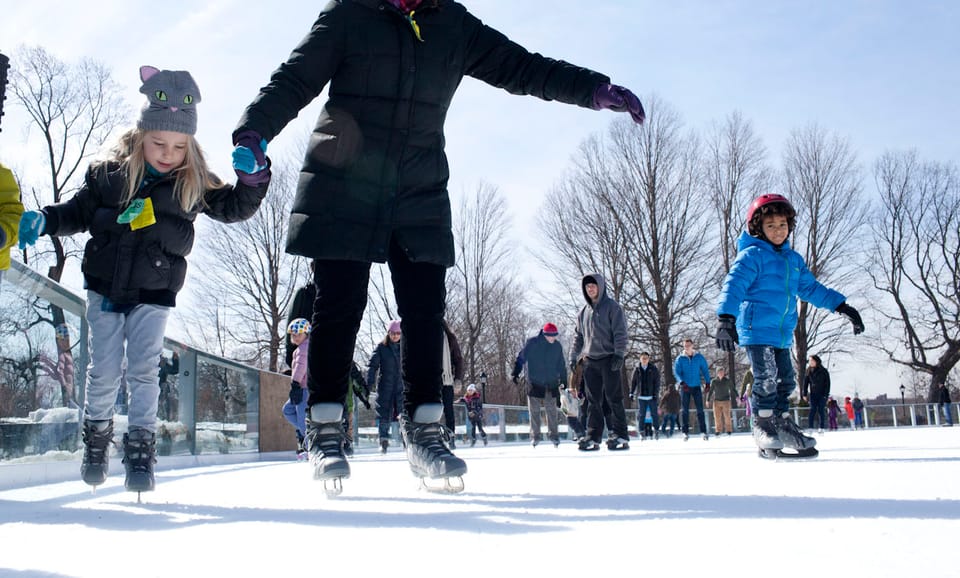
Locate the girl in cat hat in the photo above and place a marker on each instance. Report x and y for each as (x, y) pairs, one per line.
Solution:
(139, 205)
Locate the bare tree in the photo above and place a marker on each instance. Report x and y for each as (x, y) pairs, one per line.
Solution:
(76, 107)
(247, 266)
(822, 181)
(735, 172)
(915, 264)
(629, 210)
(484, 253)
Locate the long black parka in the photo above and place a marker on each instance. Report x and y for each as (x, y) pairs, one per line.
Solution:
(375, 165)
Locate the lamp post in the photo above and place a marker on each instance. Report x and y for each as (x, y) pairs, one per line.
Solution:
(903, 401)
(483, 387)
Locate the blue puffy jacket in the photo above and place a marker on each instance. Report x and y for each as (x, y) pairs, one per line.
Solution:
(762, 288)
(690, 370)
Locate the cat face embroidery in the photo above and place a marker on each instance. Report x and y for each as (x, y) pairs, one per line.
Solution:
(172, 96)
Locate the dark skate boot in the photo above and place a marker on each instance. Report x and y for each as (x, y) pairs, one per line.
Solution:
(325, 445)
(428, 454)
(765, 434)
(796, 444)
(139, 455)
(384, 444)
(97, 437)
(618, 443)
(587, 445)
(301, 447)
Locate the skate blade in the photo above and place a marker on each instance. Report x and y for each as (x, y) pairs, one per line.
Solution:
(451, 485)
(787, 455)
(333, 487)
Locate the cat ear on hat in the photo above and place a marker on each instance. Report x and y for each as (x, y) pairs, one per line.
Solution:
(147, 71)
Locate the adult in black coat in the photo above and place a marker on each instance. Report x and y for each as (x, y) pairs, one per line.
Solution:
(816, 389)
(373, 187)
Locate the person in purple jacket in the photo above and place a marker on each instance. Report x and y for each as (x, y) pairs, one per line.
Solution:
(758, 309)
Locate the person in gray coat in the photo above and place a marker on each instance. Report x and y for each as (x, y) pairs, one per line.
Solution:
(601, 341)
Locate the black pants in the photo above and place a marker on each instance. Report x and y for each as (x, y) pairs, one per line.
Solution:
(603, 383)
(448, 417)
(341, 298)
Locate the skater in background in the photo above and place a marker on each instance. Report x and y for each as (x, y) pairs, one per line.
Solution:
(384, 370)
(858, 412)
(746, 390)
(474, 402)
(720, 397)
(833, 413)
(758, 309)
(373, 187)
(816, 390)
(689, 369)
(848, 410)
(295, 408)
(670, 408)
(10, 206)
(169, 404)
(943, 401)
(601, 342)
(139, 206)
(570, 404)
(301, 307)
(645, 388)
(546, 370)
(452, 377)
(358, 390)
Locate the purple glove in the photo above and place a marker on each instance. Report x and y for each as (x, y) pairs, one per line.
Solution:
(252, 141)
(618, 99)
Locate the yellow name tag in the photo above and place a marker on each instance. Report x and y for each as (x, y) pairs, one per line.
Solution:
(146, 216)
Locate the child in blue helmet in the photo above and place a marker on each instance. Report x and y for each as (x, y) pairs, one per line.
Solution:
(758, 310)
(295, 408)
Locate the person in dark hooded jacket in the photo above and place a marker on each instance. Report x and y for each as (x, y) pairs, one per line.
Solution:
(816, 389)
(601, 342)
(373, 187)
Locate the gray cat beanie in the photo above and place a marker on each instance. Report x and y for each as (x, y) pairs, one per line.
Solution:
(172, 97)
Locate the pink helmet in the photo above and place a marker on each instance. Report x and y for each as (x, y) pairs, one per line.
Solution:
(766, 200)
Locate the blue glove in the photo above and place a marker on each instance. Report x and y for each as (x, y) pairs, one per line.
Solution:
(32, 225)
(249, 154)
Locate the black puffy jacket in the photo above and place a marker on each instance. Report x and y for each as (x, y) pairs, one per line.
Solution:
(816, 382)
(375, 166)
(148, 265)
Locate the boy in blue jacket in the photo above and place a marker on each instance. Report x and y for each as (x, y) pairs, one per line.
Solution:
(758, 310)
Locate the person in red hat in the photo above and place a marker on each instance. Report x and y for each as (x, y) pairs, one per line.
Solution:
(546, 374)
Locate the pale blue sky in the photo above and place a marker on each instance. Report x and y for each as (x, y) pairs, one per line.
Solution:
(881, 73)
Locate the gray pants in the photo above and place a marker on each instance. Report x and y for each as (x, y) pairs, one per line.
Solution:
(141, 331)
(549, 404)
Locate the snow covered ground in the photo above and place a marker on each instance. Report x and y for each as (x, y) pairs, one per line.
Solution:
(883, 502)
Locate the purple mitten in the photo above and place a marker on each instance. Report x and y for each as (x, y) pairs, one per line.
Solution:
(618, 99)
(251, 140)
(256, 179)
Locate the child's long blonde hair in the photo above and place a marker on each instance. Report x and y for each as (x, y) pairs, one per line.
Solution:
(193, 178)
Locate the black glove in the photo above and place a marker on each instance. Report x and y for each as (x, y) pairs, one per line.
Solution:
(727, 338)
(854, 317)
(296, 393)
(516, 379)
(616, 362)
(684, 387)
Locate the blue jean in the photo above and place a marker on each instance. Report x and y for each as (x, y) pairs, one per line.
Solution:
(297, 414)
(642, 406)
(669, 418)
(774, 378)
(818, 407)
(697, 394)
(947, 414)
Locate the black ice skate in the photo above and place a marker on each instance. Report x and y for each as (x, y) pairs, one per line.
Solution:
(796, 444)
(325, 445)
(301, 447)
(97, 438)
(139, 455)
(587, 445)
(384, 444)
(427, 452)
(616, 444)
